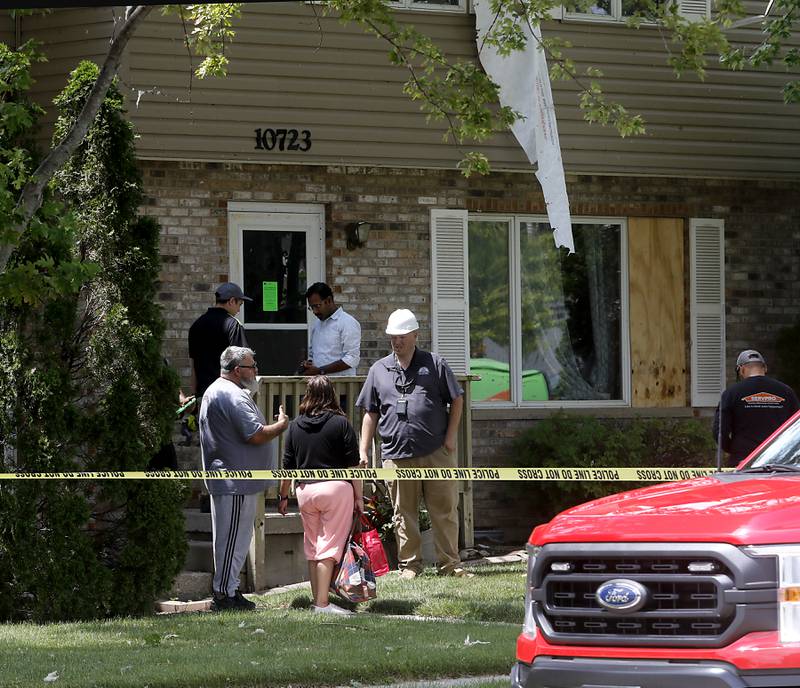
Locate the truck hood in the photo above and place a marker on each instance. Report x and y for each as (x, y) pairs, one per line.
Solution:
(738, 509)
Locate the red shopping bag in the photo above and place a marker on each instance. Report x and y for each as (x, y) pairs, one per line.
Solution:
(370, 541)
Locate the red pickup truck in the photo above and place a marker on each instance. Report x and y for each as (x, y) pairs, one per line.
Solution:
(693, 584)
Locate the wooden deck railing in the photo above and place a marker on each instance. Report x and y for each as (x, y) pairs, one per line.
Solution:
(289, 391)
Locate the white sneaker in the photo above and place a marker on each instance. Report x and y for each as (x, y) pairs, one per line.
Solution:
(331, 609)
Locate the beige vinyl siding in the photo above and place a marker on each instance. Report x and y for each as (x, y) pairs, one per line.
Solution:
(292, 68)
(286, 72)
(67, 37)
(731, 124)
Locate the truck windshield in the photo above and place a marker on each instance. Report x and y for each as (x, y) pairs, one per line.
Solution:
(783, 450)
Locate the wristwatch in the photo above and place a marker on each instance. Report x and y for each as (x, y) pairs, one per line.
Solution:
(283, 499)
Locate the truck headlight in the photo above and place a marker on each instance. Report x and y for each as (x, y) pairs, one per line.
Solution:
(529, 624)
(788, 587)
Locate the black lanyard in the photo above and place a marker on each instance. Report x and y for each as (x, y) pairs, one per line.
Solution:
(401, 382)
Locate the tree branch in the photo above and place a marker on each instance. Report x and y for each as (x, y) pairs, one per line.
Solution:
(406, 52)
(31, 196)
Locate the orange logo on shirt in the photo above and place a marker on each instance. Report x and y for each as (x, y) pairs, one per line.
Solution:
(763, 398)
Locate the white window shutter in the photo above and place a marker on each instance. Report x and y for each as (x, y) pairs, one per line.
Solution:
(449, 287)
(694, 10)
(707, 257)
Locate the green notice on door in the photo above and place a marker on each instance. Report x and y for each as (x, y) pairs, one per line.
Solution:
(269, 295)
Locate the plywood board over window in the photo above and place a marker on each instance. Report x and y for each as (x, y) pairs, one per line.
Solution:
(657, 317)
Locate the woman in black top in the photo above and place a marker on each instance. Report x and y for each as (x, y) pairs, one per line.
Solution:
(322, 437)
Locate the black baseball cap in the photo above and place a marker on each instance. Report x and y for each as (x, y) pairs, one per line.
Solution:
(230, 290)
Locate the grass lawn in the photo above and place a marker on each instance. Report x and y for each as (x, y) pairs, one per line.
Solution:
(473, 633)
(496, 593)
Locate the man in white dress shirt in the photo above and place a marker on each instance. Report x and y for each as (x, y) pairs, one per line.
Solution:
(335, 338)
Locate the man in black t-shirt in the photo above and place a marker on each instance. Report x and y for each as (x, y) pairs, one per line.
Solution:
(752, 409)
(212, 333)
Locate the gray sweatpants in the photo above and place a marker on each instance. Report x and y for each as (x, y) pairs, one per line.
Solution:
(232, 518)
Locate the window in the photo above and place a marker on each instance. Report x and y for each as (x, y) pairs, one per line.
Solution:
(546, 326)
(622, 10)
(614, 10)
(431, 5)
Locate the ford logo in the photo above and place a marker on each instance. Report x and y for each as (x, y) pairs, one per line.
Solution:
(621, 595)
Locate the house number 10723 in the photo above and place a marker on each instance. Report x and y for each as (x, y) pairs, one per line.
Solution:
(283, 139)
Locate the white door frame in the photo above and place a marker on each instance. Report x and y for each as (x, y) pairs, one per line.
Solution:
(292, 216)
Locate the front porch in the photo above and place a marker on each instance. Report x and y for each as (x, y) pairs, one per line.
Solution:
(276, 550)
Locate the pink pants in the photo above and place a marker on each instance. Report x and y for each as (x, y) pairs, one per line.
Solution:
(327, 512)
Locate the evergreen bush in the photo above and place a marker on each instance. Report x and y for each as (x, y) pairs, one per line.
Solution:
(569, 441)
(85, 387)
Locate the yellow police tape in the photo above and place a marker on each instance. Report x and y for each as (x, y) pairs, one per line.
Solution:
(474, 474)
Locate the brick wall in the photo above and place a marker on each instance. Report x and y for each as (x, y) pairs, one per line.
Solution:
(762, 234)
(190, 202)
(762, 228)
(494, 509)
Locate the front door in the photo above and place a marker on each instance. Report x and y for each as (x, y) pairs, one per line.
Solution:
(276, 251)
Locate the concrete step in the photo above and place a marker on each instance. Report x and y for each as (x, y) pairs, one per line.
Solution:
(191, 585)
(197, 521)
(199, 556)
(283, 541)
(285, 561)
(195, 585)
(274, 524)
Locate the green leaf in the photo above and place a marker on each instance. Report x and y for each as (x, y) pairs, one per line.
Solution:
(791, 92)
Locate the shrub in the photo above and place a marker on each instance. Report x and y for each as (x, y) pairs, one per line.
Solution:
(564, 441)
(85, 387)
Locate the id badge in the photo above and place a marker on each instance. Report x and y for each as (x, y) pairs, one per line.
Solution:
(402, 407)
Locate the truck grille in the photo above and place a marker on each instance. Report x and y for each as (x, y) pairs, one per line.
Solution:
(665, 595)
(642, 627)
(681, 607)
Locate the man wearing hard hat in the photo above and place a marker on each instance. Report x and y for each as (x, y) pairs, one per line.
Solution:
(412, 397)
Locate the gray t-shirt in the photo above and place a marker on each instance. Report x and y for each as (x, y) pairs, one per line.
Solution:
(228, 418)
(429, 387)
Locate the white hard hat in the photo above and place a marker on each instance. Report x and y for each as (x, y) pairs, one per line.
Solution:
(402, 321)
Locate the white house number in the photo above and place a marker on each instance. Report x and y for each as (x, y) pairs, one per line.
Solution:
(283, 139)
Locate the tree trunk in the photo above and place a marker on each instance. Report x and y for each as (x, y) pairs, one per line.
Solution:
(31, 196)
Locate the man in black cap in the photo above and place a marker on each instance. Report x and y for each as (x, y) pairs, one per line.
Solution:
(212, 333)
(752, 409)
